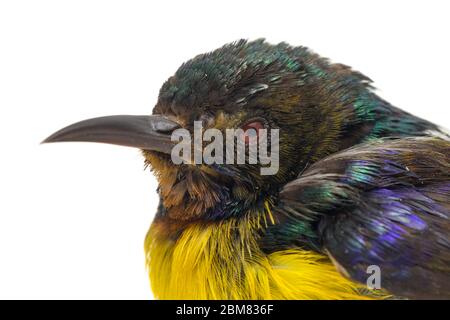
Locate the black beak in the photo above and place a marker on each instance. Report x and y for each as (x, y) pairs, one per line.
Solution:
(143, 132)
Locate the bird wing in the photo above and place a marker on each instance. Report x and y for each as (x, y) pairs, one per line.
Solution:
(384, 203)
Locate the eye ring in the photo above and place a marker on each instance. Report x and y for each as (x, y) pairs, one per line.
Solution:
(254, 125)
(260, 120)
(252, 128)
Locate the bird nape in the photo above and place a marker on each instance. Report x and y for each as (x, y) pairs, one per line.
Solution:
(361, 185)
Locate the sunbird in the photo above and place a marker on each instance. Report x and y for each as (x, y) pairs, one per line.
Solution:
(361, 186)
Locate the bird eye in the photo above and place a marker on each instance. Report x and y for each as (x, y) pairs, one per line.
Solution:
(251, 130)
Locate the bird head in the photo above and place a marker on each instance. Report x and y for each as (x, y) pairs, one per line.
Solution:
(317, 107)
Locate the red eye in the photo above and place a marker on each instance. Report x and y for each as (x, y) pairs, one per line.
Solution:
(251, 130)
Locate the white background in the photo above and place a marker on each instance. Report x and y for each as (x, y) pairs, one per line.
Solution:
(73, 216)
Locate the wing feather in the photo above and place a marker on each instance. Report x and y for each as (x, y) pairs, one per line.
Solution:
(384, 203)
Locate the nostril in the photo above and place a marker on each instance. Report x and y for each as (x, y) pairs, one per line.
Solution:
(165, 125)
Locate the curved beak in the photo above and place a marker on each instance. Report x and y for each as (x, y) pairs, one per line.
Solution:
(143, 132)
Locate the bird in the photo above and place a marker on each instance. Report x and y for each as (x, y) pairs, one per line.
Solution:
(360, 183)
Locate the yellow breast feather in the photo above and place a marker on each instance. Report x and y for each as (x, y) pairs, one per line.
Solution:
(222, 260)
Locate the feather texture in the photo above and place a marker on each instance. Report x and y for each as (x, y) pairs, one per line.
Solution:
(384, 203)
(224, 261)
